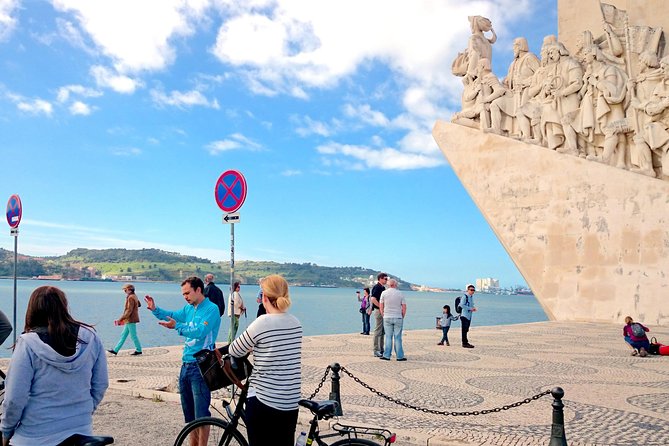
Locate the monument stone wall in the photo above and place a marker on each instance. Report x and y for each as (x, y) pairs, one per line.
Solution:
(567, 156)
(591, 240)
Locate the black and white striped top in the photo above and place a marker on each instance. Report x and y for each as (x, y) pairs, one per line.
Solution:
(276, 342)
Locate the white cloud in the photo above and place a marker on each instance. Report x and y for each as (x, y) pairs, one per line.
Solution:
(128, 151)
(308, 126)
(136, 35)
(293, 47)
(32, 106)
(291, 173)
(79, 90)
(233, 142)
(385, 158)
(7, 20)
(80, 108)
(365, 114)
(106, 78)
(183, 99)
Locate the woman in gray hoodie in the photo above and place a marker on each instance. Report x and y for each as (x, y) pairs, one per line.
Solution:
(57, 375)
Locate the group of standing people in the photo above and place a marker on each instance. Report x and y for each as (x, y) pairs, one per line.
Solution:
(57, 349)
(275, 338)
(388, 307)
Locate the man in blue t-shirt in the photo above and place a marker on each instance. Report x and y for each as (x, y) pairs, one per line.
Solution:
(198, 322)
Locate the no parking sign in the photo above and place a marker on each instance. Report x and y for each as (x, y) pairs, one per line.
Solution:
(14, 211)
(230, 191)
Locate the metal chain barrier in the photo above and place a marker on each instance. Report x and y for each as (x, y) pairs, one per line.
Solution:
(432, 411)
(320, 384)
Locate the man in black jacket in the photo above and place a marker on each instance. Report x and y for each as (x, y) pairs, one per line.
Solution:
(214, 293)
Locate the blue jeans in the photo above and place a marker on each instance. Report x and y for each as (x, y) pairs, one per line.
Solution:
(195, 395)
(444, 330)
(365, 323)
(645, 344)
(393, 328)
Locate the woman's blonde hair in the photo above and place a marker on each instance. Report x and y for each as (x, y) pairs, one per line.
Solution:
(275, 289)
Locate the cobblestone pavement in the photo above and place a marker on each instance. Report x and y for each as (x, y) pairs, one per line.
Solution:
(611, 398)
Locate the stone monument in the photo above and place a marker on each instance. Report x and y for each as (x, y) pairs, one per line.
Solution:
(568, 158)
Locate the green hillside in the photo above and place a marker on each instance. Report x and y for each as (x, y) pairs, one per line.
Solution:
(155, 264)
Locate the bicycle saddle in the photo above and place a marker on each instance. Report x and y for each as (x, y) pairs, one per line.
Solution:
(322, 409)
(86, 440)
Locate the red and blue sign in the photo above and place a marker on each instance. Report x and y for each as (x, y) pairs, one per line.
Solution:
(230, 191)
(14, 211)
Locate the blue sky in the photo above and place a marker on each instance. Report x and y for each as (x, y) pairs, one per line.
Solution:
(117, 117)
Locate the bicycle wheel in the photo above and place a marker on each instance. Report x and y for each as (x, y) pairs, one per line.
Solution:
(217, 433)
(355, 442)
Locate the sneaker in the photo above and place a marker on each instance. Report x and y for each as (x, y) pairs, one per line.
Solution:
(113, 352)
(135, 353)
(384, 358)
(448, 344)
(401, 359)
(635, 352)
(642, 352)
(467, 345)
(440, 343)
(377, 354)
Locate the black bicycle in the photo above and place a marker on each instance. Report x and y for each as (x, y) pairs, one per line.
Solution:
(226, 433)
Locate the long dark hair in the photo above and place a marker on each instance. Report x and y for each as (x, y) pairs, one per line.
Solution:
(47, 308)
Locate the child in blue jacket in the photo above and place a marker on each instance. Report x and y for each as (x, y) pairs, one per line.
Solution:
(446, 320)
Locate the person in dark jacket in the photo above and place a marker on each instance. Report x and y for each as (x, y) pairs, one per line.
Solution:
(214, 293)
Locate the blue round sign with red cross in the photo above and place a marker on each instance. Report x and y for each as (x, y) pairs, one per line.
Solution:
(14, 211)
(230, 191)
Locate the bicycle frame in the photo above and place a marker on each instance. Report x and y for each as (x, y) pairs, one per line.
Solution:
(346, 431)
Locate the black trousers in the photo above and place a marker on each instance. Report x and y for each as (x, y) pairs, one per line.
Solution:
(268, 426)
(465, 329)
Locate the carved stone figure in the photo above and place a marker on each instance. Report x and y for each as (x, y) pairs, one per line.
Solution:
(517, 81)
(609, 103)
(478, 47)
(483, 89)
(560, 99)
(656, 132)
(602, 109)
(641, 90)
(469, 115)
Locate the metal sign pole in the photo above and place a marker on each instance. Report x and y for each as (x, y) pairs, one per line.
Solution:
(232, 271)
(15, 233)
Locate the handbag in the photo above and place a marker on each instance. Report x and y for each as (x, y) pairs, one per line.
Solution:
(654, 348)
(219, 369)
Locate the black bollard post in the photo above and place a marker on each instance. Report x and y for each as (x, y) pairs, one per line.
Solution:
(558, 436)
(335, 395)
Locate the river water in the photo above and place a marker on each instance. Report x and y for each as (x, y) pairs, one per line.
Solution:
(321, 310)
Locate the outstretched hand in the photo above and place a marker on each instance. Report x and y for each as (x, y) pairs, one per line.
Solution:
(169, 323)
(150, 303)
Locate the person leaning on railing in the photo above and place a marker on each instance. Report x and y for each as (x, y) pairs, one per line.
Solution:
(275, 384)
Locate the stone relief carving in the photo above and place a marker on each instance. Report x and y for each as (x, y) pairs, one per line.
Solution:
(608, 102)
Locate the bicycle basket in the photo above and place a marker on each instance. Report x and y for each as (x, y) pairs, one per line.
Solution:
(219, 369)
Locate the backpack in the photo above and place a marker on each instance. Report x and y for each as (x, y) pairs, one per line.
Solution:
(637, 330)
(458, 308)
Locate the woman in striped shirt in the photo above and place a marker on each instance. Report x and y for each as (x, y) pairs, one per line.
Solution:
(275, 384)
